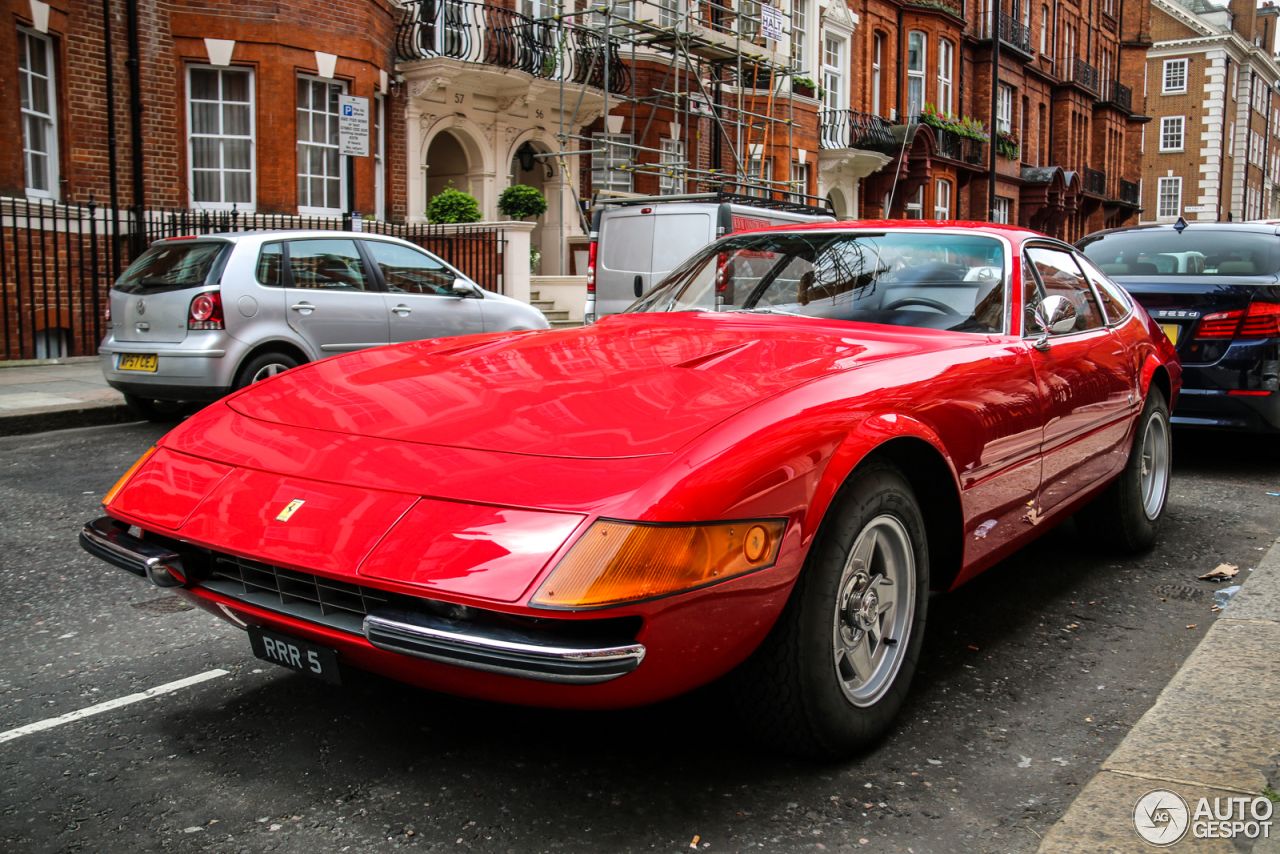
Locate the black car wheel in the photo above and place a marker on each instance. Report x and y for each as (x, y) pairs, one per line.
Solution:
(831, 676)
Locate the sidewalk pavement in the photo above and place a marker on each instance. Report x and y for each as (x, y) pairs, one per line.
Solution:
(57, 394)
(1213, 732)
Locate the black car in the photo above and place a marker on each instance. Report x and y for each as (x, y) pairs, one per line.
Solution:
(1215, 289)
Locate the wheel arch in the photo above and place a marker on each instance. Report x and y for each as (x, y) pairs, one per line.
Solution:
(276, 345)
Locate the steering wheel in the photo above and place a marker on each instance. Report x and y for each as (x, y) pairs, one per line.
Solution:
(936, 305)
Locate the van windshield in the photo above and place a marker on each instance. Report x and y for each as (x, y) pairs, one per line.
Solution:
(930, 280)
(170, 266)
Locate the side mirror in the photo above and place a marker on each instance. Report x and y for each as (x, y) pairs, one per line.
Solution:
(461, 287)
(1055, 315)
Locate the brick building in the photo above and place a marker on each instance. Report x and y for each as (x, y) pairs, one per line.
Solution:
(1214, 152)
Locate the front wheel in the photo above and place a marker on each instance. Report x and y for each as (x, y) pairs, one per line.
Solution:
(832, 675)
(1127, 515)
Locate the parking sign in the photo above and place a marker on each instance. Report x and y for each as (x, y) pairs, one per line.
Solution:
(353, 125)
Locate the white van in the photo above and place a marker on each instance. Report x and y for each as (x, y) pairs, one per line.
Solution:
(635, 242)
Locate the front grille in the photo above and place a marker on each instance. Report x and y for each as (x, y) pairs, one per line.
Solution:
(310, 597)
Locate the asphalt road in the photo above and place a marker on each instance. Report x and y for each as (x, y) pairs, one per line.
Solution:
(1031, 676)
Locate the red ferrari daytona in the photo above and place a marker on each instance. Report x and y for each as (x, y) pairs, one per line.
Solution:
(760, 470)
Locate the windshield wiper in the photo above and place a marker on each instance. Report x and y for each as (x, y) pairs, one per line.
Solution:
(767, 310)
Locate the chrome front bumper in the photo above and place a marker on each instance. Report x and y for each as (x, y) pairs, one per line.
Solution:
(528, 654)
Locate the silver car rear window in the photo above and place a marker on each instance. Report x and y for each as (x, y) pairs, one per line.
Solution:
(171, 267)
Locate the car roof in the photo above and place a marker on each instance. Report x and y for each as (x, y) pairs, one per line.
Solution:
(993, 229)
(279, 233)
(1250, 227)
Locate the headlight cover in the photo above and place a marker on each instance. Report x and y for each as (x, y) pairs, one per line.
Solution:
(616, 562)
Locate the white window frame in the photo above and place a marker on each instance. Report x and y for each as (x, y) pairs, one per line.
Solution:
(942, 199)
(1167, 133)
(1045, 41)
(1003, 207)
(28, 77)
(915, 205)
(1168, 70)
(669, 12)
(671, 159)
(299, 145)
(379, 156)
(915, 75)
(877, 57)
(799, 34)
(617, 147)
(799, 178)
(834, 77)
(758, 175)
(1175, 197)
(251, 204)
(946, 74)
(1004, 108)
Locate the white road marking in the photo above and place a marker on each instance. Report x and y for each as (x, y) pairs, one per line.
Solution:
(99, 708)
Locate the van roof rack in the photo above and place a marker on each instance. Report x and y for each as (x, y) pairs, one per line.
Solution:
(822, 209)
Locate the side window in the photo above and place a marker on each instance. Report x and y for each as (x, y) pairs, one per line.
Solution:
(1115, 302)
(1061, 276)
(270, 261)
(408, 271)
(324, 264)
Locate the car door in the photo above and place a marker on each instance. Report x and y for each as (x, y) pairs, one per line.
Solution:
(418, 294)
(1084, 380)
(332, 301)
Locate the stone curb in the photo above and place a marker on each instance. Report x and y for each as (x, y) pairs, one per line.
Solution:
(21, 423)
(1214, 731)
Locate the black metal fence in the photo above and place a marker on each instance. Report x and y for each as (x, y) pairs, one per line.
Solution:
(852, 129)
(57, 262)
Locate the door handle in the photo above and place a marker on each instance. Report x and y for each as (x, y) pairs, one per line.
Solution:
(639, 285)
(402, 310)
(303, 307)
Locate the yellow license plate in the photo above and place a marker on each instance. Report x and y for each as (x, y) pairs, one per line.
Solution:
(1172, 330)
(139, 362)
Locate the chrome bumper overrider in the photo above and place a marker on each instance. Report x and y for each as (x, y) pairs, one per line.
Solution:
(529, 654)
(111, 541)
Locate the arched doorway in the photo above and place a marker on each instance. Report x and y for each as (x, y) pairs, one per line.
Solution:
(447, 165)
(528, 168)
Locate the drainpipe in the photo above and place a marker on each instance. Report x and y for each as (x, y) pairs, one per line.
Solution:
(995, 112)
(1222, 155)
(113, 182)
(137, 236)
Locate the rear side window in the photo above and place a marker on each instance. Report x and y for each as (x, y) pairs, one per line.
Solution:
(327, 264)
(1061, 276)
(270, 270)
(1197, 251)
(170, 267)
(408, 271)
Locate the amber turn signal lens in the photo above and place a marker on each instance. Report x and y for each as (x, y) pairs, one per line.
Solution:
(124, 478)
(616, 562)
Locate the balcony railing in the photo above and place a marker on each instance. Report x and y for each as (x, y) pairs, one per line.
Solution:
(1012, 32)
(852, 129)
(1129, 193)
(478, 32)
(1095, 182)
(1085, 75)
(1119, 95)
(962, 148)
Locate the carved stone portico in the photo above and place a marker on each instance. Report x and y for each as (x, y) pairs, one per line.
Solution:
(466, 124)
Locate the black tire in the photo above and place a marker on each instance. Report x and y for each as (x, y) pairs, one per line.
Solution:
(157, 411)
(1125, 517)
(263, 365)
(792, 692)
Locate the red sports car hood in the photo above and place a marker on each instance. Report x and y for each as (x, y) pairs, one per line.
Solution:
(632, 385)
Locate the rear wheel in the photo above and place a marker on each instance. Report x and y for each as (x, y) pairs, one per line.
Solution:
(158, 411)
(264, 365)
(832, 675)
(1127, 515)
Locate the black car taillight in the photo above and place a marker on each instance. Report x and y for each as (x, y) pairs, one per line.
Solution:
(206, 312)
(1261, 320)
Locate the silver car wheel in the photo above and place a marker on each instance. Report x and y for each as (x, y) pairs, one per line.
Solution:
(1154, 476)
(874, 610)
(269, 370)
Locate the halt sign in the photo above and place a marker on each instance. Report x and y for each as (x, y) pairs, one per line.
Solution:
(353, 126)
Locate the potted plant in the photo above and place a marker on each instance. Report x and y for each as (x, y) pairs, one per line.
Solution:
(1007, 145)
(520, 201)
(453, 205)
(804, 85)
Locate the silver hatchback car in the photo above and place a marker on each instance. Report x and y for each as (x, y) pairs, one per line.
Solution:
(197, 317)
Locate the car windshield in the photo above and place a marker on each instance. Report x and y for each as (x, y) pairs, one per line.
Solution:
(935, 280)
(1194, 252)
(170, 266)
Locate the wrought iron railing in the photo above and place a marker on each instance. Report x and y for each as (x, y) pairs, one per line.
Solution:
(486, 34)
(1119, 95)
(961, 148)
(1129, 193)
(1084, 74)
(1095, 182)
(853, 129)
(1012, 31)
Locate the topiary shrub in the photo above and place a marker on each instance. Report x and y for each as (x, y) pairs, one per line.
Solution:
(520, 200)
(453, 205)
